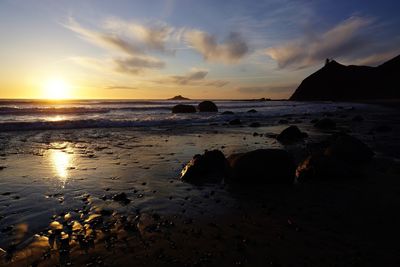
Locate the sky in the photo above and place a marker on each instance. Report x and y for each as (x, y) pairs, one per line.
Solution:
(209, 49)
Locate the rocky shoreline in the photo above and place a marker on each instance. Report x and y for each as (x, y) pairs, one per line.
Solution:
(318, 193)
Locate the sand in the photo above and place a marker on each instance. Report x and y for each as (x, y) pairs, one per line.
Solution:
(57, 202)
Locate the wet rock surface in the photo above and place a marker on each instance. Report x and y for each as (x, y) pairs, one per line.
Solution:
(211, 167)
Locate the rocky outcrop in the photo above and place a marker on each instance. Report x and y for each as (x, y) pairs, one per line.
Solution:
(178, 97)
(338, 82)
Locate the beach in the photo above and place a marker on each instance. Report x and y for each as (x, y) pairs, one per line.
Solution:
(98, 184)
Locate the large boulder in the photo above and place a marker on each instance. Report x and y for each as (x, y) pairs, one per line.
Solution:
(211, 167)
(183, 109)
(291, 134)
(342, 159)
(207, 106)
(262, 166)
(349, 149)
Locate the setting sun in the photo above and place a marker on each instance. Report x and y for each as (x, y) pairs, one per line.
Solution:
(56, 89)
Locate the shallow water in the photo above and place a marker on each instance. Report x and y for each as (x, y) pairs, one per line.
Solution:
(48, 174)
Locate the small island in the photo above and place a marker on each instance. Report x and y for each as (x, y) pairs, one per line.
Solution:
(178, 97)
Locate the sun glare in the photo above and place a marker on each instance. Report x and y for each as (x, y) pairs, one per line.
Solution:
(56, 89)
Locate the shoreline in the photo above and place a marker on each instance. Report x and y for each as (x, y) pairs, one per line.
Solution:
(167, 220)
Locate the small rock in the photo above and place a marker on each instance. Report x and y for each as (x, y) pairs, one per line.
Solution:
(121, 197)
(291, 134)
(228, 113)
(252, 111)
(255, 124)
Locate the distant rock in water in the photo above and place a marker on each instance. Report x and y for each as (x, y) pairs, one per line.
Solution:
(211, 167)
(235, 122)
(207, 106)
(178, 97)
(338, 82)
(228, 112)
(262, 166)
(183, 109)
(325, 124)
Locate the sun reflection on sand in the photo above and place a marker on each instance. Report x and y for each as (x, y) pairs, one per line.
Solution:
(61, 162)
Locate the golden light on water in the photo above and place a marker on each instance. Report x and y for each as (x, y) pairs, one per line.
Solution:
(56, 89)
(61, 162)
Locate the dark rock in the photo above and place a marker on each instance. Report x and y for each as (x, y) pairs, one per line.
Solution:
(207, 106)
(235, 122)
(252, 111)
(255, 124)
(282, 121)
(325, 124)
(121, 197)
(183, 109)
(314, 120)
(291, 134)
(178, 97)
(228, 112)
(211, 167)
(348, 148)
(358, 118)
(262, 166)
(342, 159)
(339, 82)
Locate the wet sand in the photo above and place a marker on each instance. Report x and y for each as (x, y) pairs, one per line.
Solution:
(58, 201)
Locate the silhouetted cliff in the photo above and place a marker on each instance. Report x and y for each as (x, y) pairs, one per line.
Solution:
(335, 81)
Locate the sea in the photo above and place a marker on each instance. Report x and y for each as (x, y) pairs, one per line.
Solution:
(21, 115)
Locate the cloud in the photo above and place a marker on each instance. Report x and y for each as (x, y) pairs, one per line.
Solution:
(343, 39)
(153, 36)
(230, 51)
(135, 65)
(104, 40)
(195, 77)
(377, 59)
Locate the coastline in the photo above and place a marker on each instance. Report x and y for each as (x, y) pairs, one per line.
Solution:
(180, 224)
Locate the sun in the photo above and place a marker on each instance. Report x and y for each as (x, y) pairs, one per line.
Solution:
(56, 88)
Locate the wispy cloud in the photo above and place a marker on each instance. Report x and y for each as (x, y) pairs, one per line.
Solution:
(195, 77)
(230, 51)
(341, 40)
(135, 65)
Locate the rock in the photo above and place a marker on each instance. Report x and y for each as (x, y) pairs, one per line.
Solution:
(121, 197)
(282, 121)
(211, 167)
(252, 111)
(325, 124)
(262, 166)
(207, 106)
(235, 122)
(342, 159)
(255, 124)
(349, 149)
(178, 97)
(183, 109)
(358, 118)
(291, 134)
(228, 112)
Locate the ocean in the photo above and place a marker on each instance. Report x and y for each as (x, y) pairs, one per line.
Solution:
(19, 115)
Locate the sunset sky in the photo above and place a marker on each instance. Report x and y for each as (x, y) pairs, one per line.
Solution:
(199, 49)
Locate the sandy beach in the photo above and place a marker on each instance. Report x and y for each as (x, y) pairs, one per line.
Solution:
(113, 197)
